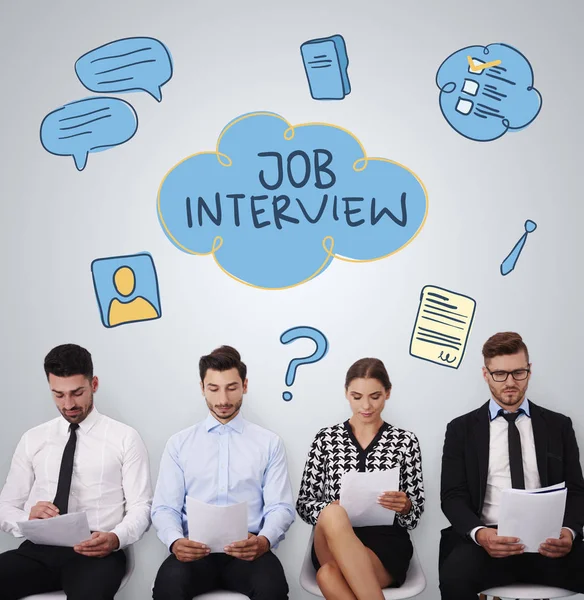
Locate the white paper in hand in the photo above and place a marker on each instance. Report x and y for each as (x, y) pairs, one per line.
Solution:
(65, 530)
(359, 492)
(532, 515)
(216, 526)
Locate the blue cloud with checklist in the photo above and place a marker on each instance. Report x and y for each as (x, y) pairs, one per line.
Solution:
(275, 203)
(487, 91)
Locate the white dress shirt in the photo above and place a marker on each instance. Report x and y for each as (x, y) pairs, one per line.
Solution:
(499, 473)
(110, 481)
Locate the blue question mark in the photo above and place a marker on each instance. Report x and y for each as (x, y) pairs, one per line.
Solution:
(296, 333)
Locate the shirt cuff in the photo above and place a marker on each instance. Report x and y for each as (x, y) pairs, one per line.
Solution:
(271, 536)
(170, 536)
(473, 534)
(122, 537)
(571, 531)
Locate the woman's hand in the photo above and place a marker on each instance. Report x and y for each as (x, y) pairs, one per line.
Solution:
(397, 501)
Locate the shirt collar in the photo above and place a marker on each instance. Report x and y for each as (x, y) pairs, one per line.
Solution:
(494, 408)
(236, 424)
(87, 424)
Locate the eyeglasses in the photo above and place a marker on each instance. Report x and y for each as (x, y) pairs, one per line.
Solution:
(518, 374)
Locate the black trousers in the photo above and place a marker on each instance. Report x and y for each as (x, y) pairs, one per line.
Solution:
(260, 579)
(35, 569)
(468, 570)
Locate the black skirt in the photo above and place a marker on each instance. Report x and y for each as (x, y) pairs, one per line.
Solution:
(390, 543)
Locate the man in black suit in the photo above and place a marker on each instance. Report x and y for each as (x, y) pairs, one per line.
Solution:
(507, 442)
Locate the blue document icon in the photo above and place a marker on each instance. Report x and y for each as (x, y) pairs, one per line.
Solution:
(325, 62)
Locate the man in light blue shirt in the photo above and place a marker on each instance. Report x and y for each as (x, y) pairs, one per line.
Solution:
(223, 460)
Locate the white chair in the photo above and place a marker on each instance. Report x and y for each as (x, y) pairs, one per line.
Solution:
(61, 595)
(218, 595)
(414, 584)
(527, 591)
(222, 595)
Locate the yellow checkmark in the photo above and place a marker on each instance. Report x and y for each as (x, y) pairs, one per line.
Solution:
(480, 67)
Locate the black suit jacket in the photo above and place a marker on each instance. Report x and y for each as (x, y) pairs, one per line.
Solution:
(465, 463)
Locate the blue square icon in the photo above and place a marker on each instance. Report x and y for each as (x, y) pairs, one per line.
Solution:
(126, 288)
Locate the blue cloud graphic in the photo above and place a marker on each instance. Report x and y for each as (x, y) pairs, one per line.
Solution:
(275, 203)
(483, 103)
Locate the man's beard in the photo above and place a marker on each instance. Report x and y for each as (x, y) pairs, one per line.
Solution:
(80, 417)
(511, 402)
(236, 406)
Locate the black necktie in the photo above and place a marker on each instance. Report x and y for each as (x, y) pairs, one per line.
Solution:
(515, 456)
(64, 486)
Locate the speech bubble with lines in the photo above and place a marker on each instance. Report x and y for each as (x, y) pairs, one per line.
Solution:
(89, 125)
(126, 65)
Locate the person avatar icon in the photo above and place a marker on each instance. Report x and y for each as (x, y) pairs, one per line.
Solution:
(126, 288)
(137, 309)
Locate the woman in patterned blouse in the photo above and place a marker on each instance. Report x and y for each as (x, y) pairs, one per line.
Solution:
(357, 562)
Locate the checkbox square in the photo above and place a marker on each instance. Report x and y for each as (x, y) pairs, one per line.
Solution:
(464, 106)
(476, 62)
(470, 87)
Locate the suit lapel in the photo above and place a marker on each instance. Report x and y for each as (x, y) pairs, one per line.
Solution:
(540, 437)
(481, 432)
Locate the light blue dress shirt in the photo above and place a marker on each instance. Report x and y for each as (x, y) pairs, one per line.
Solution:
(494, 408)
(222, 465)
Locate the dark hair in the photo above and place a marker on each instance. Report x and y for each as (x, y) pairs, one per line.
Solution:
(368, 368)
(222, 359)
(67, 360)
(506, 342)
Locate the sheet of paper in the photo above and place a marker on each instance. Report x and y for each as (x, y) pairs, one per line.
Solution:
(64, 530)
(545, 490)
(442, 324)
(359, 492)
(216, 526)
(532, 515)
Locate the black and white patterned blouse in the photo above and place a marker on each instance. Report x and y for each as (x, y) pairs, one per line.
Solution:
(335, 450)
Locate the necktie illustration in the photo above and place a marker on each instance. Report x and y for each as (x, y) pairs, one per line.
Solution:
(515, 455)
(509, 263)
(65, 473)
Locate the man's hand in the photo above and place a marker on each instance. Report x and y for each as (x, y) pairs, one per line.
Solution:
(43, 510)
(498, 546)
(188, 551)
(556, 548)
(100, 544)
(397, 501)
(249, 549)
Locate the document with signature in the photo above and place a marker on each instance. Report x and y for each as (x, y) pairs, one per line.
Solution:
(359, 492)
(442, 326)
(65, 530)
(216, 526)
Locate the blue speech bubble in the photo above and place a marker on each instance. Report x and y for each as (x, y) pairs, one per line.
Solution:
(275, 203)
(320, 351)
(126, 65)
(487, 91)
(89, 125)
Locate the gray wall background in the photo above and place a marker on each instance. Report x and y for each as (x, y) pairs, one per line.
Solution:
(235, 57)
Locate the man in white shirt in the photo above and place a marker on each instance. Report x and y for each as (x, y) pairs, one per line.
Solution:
(509, 442)
(223, 460)
(82, 461)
